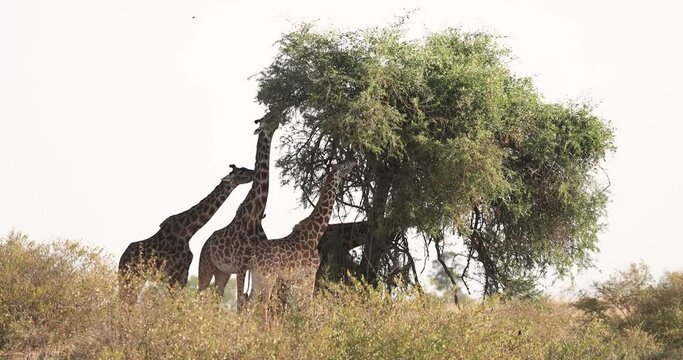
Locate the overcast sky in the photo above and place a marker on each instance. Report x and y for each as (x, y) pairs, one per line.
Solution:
(115, 115)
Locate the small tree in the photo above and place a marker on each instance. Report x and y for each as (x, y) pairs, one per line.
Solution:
(451, 146)
(632, 299)
(617, 297)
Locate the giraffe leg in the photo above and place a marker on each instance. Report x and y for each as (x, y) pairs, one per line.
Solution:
(182, 280)
(221, 280)
(130, 285)
(206, 271)
(125, 291)
(308, 286)
(281, 289)
(181, 272)
(304, 288)
(240, 297)
(178, 278)
(262, 286)
(128, 292)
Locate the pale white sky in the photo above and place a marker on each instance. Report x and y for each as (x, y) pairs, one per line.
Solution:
(115, 115)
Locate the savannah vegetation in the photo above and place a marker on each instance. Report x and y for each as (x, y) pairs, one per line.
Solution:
(60, 300)
(456, 152)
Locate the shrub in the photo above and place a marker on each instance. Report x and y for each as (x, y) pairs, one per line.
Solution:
(631, 299)
(60, 301)
(51, 295)
(660, 311)
(596, 340)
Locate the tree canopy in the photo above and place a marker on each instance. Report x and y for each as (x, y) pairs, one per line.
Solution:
(452, 147)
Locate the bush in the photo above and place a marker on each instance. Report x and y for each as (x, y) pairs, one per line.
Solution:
(51, 295)
(60, 301)
(599, 341)
(631, 299)
(660, 311)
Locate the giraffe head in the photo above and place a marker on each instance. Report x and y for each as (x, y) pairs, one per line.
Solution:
(343, 168)
(268, 122)
(239, 175)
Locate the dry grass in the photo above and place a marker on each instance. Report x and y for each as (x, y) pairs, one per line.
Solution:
(60, 301)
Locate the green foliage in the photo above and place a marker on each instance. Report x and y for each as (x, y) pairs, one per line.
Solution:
(598, 341)
(660, 312)
(449, 141)
(618, 296)
(51, 293)
(65, 305)
(631, 299)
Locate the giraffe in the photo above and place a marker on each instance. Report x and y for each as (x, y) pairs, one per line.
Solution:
(295, 258)
(169, 248)
(227, 251)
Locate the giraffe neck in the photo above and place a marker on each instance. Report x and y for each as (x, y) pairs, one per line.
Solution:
(320, 216)
(188, 222)
(254, 205)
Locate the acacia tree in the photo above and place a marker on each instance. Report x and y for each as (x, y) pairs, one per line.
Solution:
(452, 147)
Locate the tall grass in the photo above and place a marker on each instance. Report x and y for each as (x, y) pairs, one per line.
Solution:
(60, 301)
